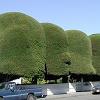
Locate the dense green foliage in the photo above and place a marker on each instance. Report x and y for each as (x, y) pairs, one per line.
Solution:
(80, 52)
(22, 45)
(56, 49)
(95, 39)
(26, 46)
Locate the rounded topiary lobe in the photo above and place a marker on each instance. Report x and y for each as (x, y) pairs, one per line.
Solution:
(22, 44)
(95, 40)
(80, 52)
(56, 49)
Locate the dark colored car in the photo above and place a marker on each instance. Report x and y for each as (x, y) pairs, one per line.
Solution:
(11, 91)
(96, 89)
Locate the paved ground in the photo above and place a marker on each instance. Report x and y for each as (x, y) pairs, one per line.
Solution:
(75, 96)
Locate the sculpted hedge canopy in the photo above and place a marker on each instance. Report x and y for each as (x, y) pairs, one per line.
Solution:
(80, 51)
(26, 46)
(22, 45)
(56, 49)
(95, 39)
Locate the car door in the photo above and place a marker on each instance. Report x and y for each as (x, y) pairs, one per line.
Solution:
(11, 95)
(12, 92)
(22, 93)
(17, 94)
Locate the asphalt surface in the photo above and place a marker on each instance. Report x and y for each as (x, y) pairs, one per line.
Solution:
(74, 96)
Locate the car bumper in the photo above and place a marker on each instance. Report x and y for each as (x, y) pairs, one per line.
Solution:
(95, 91)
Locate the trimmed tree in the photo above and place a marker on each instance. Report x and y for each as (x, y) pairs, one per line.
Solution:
(57, 57)
(22, 45)
(95, 40)
(80, 52)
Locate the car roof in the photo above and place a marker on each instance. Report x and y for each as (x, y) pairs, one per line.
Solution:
(8, 83)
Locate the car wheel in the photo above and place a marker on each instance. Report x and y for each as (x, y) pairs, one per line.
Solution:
(31, 97)
(1, 98)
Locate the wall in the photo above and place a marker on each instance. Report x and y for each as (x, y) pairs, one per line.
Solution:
(64, 88)
(85, 86)
(52, 89)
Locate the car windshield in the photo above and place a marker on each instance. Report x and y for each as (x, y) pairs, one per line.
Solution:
(7, 85)
(2, 85)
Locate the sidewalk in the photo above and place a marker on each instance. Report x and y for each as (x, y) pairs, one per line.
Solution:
(68, 95)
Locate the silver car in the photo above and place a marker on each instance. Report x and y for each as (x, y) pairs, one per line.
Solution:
(96, 89)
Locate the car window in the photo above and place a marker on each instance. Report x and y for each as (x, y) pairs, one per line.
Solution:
(97, 86)
(2, 86)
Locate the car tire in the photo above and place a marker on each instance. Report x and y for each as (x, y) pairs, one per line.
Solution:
(31, 97)
(1, 98)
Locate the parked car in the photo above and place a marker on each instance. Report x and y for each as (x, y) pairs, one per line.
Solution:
(96, 89)
(11, 91)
